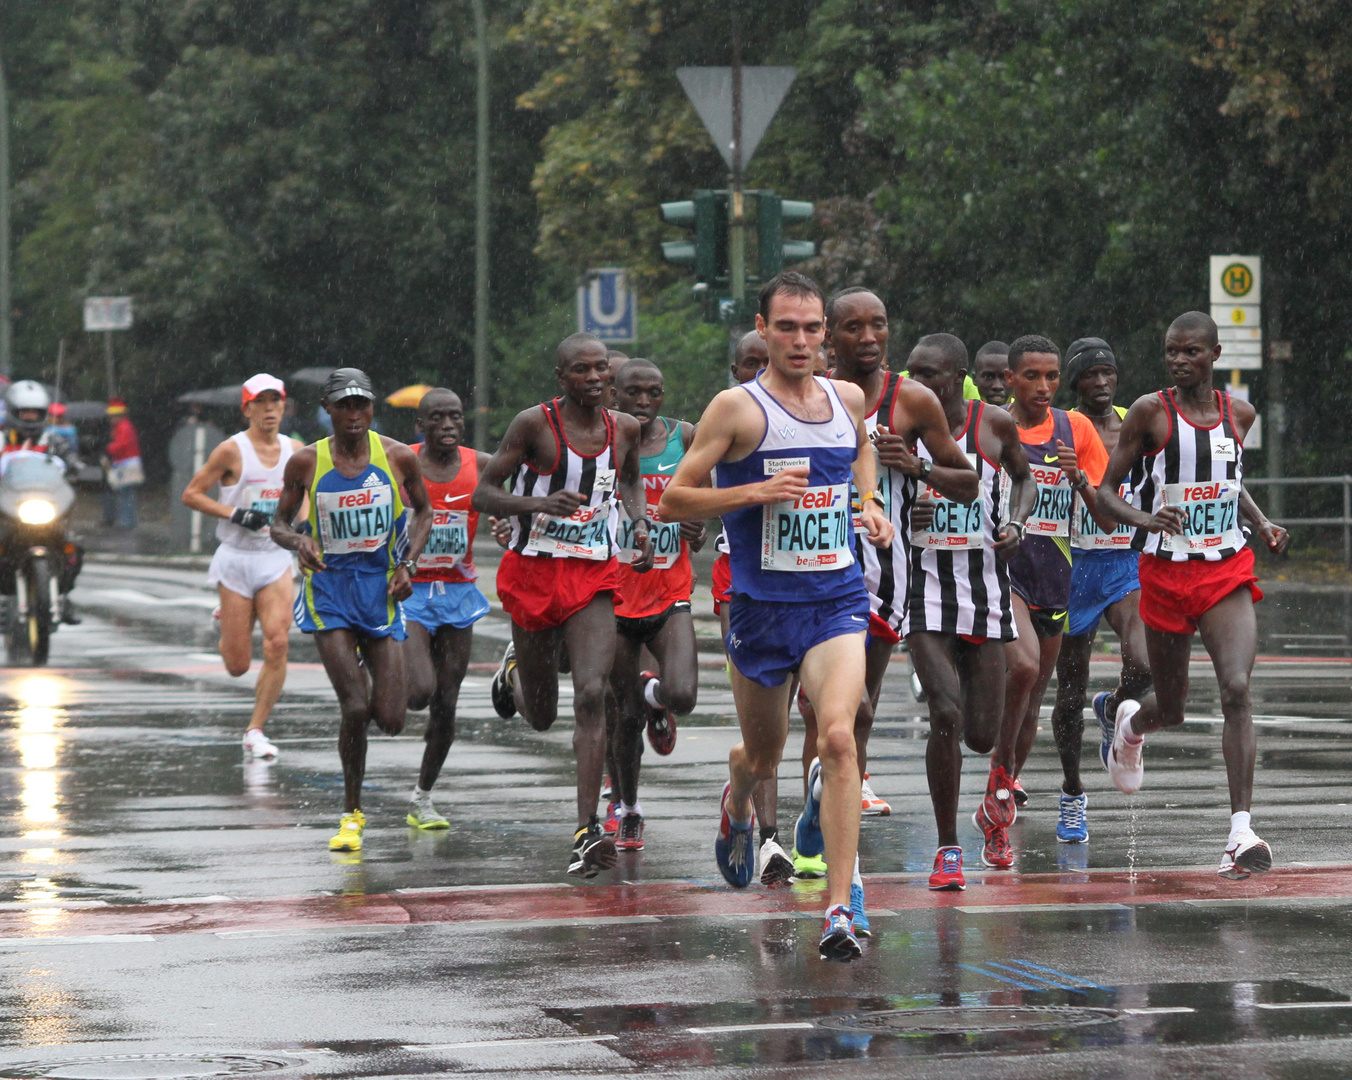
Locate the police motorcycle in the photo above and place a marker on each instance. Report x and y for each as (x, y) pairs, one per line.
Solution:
(38, 558)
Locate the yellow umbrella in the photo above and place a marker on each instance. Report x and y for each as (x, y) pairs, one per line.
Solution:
(409, 396)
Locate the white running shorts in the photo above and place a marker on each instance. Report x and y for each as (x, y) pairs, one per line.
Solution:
(248, 572)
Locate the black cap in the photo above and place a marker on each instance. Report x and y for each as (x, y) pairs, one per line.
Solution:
(348, 382)
(1084, 353)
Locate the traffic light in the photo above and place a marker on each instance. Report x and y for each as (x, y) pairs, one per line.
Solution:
(707, 253)
(772, 213)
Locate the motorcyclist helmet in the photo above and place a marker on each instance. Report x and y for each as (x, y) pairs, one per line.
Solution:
(26, 405)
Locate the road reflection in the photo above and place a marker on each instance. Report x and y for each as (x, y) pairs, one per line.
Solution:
(37, 731)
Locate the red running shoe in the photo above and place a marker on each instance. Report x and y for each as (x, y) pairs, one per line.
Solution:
(631, 833)
(661, 722)
(947, 875)
(999, 806)
(612, 823)
(1020, 796)
(995, 851)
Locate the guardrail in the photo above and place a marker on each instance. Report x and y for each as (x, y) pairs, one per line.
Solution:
(1345, 522)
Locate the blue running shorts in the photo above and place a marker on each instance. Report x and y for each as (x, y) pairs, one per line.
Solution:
(435, 604)
(767, 639)
(349, 600)
(1098, 580)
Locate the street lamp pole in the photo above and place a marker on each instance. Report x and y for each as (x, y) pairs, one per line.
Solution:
(481, 232)
(6, 338)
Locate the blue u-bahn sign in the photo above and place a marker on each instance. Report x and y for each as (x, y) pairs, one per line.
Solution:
(607, 306)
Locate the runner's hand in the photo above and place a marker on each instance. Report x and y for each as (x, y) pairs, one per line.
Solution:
(309, 555)
(1007, 540)
(1274, 536)
(561, 504)
(922, 515)
(694, 534)
(643, 545)
(501, 529)
(787, 485)
(1168, 521)
(893, 452)
(1069, 462)
(252, 520)
(401, 586)
(877, 529)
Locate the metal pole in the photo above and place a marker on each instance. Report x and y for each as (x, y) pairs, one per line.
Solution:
(1276, 405)
(737, 219)
(109, 370)
(481, 232)
(6, 331)
(60, 363)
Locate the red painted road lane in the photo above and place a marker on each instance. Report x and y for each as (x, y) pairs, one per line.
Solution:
(667, 899)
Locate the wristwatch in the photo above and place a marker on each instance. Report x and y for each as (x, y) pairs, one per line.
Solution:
(407, 564)
(876, 496)
(1081, 484)
(926, 467)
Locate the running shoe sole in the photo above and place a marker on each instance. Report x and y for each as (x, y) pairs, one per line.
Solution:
(976, 820)
(808, 866)
(597, 853)
(776, 870)
(736, 840)
(431, 825)
(1106, 726)
(500, 689)
(808, 840)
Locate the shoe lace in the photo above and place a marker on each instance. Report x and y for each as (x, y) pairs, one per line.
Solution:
(1072, 813)
(740, 844)
(952, 861)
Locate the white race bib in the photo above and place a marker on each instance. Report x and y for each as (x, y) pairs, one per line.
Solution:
(448, 543)
(956, 526)
(584, 534)
(809, 533)
(1051, 511)
(664, 535)
(1210, 516)
(356, 521)
(1086, 534)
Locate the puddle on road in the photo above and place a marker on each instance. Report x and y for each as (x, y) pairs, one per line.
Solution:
(147, 1067)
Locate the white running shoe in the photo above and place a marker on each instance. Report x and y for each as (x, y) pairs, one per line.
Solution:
(256, 745)
(774, 865)
(918, 690)
(1125, 768)
(872, 806)
(1245, 855)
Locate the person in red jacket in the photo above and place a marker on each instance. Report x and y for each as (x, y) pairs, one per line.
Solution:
(123, 469)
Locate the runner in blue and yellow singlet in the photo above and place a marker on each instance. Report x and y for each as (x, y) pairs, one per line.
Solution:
(354, 579)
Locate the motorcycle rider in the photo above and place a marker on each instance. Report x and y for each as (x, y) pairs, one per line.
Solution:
(27, 405)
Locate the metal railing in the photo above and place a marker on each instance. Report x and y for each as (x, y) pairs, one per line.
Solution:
(1345, 522)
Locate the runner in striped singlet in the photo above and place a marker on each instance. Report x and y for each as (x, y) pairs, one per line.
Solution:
(857, 333)
(1196, 572)
(960, 612)
(566, 464)
(356, 570)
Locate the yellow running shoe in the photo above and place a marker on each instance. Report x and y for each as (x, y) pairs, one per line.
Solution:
(348, 836)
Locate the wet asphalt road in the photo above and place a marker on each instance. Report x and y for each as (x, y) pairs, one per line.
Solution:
(170, 911)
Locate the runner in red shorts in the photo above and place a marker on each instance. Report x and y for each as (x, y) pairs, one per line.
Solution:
(1185, 447)
(566, 464)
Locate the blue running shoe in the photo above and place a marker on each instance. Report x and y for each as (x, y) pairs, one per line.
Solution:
(808, 841)
(1071, 825)
(838, 940)
(735, 847)
(858, 915)
(1106, 725)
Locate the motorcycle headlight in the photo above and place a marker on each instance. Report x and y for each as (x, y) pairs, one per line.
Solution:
(36, 512)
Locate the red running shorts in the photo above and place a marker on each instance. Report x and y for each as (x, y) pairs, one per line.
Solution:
(722, 582)
(1174, 595)
(542, 593)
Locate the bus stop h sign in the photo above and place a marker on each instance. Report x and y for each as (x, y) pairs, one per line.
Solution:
(607, 306)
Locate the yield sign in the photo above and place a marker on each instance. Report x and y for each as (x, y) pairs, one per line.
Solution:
(710, 91)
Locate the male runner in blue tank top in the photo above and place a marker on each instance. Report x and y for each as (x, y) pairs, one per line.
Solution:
(1197, 574)
(355, 572)
(783, 450)
(1103, 585)
(567, 462)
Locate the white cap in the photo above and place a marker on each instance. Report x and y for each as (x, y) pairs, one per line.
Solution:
(259, 383)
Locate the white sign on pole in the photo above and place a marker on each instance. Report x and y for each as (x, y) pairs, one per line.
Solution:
(107, 313)
(1239, 333)
(710, 91)
(1235, 316)
(1236, 279)
(1254, 439)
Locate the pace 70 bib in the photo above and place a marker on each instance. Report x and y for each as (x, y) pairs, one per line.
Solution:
(810, 533)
